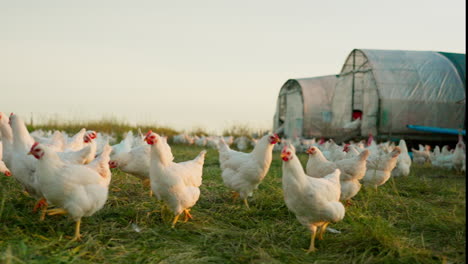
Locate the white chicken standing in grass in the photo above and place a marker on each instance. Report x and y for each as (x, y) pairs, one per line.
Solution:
(314, 201)
(135, 162)
(459, 155)
(243, 172)
(379, 168)
(77, 190)
(7, 139)
(404, 161)
(352, 170)
(3, 168)
(123, 146)
(177, 184)
(23, 166)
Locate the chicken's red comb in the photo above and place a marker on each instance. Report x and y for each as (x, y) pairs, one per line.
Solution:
(34, 145)
(92, 134)
(149, 133)
(285, 148)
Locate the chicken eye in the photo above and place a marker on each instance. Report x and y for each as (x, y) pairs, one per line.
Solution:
(289, 153)
(36, 150)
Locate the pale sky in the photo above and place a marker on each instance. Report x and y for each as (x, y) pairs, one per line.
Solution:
(190, 64)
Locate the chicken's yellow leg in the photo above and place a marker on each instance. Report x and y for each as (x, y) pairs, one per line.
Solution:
(175, 220)
(57, 211)
(187, 215)
(312, 241)
(246, 203)
(43, 212)
(322, 230)
(77, 236)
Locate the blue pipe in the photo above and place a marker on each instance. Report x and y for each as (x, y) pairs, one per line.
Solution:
(440, 130)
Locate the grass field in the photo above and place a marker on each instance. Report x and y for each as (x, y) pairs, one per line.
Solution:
(417, 219)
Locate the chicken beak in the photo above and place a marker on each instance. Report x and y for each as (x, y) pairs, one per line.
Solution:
(309, 151)
(283, 155)
(29, 153)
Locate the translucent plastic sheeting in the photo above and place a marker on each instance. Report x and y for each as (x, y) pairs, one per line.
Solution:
(396, 88)
(304, 107)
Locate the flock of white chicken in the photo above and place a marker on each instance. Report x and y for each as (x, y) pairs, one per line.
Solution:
(71, 175)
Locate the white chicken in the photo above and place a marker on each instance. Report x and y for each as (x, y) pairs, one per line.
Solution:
(101, 164)
(404, 161)
(423, 155)
(459, 155)
(444, 159)
(183, 139)
(76, 142)
(88, 140)
(243, 172)
(77, 190)
(177, 184)
(135, 162)
(379, 168)
(124, 146)
(242, 143)
(352, 170)
(200, 141)
(318, 165)
(351, 151)
(23, 166)
(3, 168)
(7, 139)
(314, 201)
(56, 142)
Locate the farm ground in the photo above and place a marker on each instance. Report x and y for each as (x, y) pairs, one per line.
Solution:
(417, 219)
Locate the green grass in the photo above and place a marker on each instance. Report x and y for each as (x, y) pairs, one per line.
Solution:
(417, 219)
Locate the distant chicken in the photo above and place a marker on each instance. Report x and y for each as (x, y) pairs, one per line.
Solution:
(459, 155)
(352, 170)
(7, 139)
(379, 168)
(3, 167)
(314, 201)
(89, 140)
(76, 142)
(124, 146)
(183, 139)
(56, 142)
(243, 172)
(444, 159)
(177, 184)
(77, 190)
(242, 143)
(423, 155)
(404, 161)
